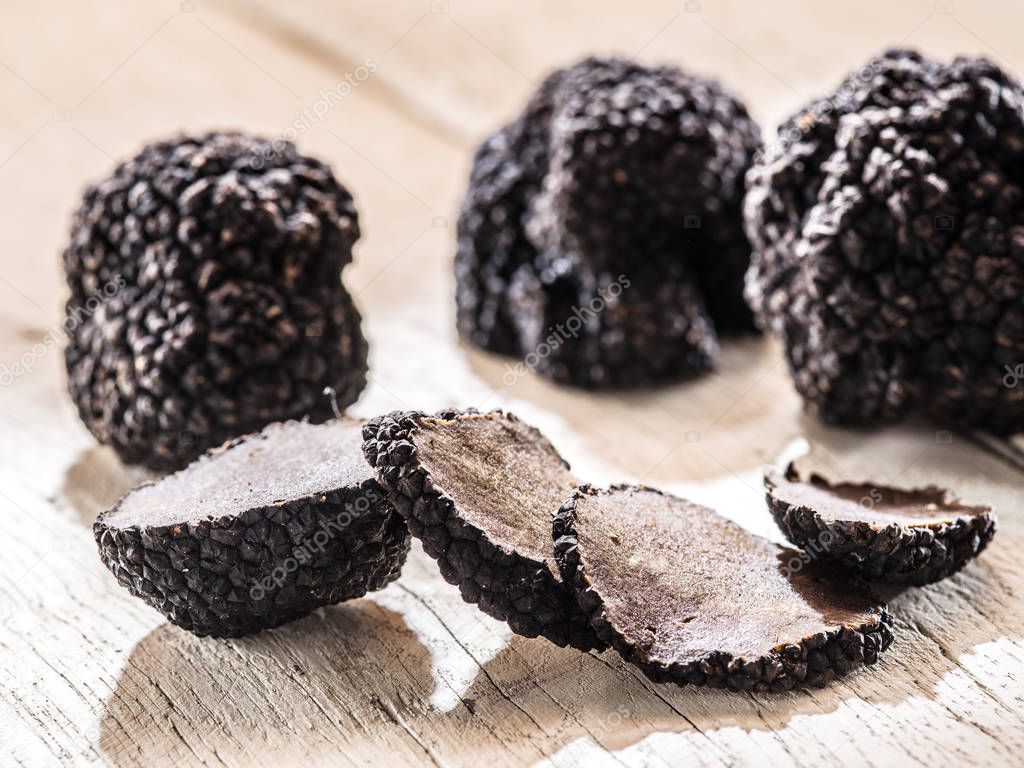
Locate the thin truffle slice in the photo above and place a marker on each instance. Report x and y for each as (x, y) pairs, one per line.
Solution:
(479, 491)
(259, 532)
(691, 597)
(898, 536)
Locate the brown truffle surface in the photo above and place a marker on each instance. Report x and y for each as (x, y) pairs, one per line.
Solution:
(912, 536)
(258, 532)
(691, 597)
(479, 491)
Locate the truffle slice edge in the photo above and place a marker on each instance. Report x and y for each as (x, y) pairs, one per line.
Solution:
(808, 660)
(911, 537)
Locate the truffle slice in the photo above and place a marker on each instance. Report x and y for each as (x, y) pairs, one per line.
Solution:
(259, 532)
(479, 491)
(898, 536)
(691, 597)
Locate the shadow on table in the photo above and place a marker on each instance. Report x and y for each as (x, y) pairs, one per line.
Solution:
(96, 480)
(354, 679)
(284, 696)
(739, 415)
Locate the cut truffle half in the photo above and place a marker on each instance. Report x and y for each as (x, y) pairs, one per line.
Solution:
(899, 536)
(479, 491)
(691, 597)
(258, 532)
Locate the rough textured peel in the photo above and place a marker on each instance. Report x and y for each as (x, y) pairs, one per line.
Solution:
(258, 532)
(206, 298)
(691, 597)
(900, 536)
(618, 187)
(887, 226)
(479, 490)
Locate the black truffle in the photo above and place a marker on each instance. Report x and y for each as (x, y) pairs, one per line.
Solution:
(888, 233)
(479, 490)
(206, 298)
(258, 532)
(886, 534)
(601, 231)
(691, 597)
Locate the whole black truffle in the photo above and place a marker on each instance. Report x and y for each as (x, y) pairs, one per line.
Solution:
(261, 531)
(601, 232)
(888, 233)
(206, 298)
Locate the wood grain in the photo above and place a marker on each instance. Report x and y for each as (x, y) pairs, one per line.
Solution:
(412, 675)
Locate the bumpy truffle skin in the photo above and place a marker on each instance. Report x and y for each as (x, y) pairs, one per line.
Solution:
(888, 236)
(505, 585)
(613, 169)
(206, 298)
(897, 553)
(235, 575)
(813, 662)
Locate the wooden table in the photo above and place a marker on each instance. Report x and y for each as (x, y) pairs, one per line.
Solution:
(412, 675)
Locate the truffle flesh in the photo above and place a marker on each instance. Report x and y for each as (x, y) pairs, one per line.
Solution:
(886, 534)
(479, 490)
(258, 532)
(690, 597)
